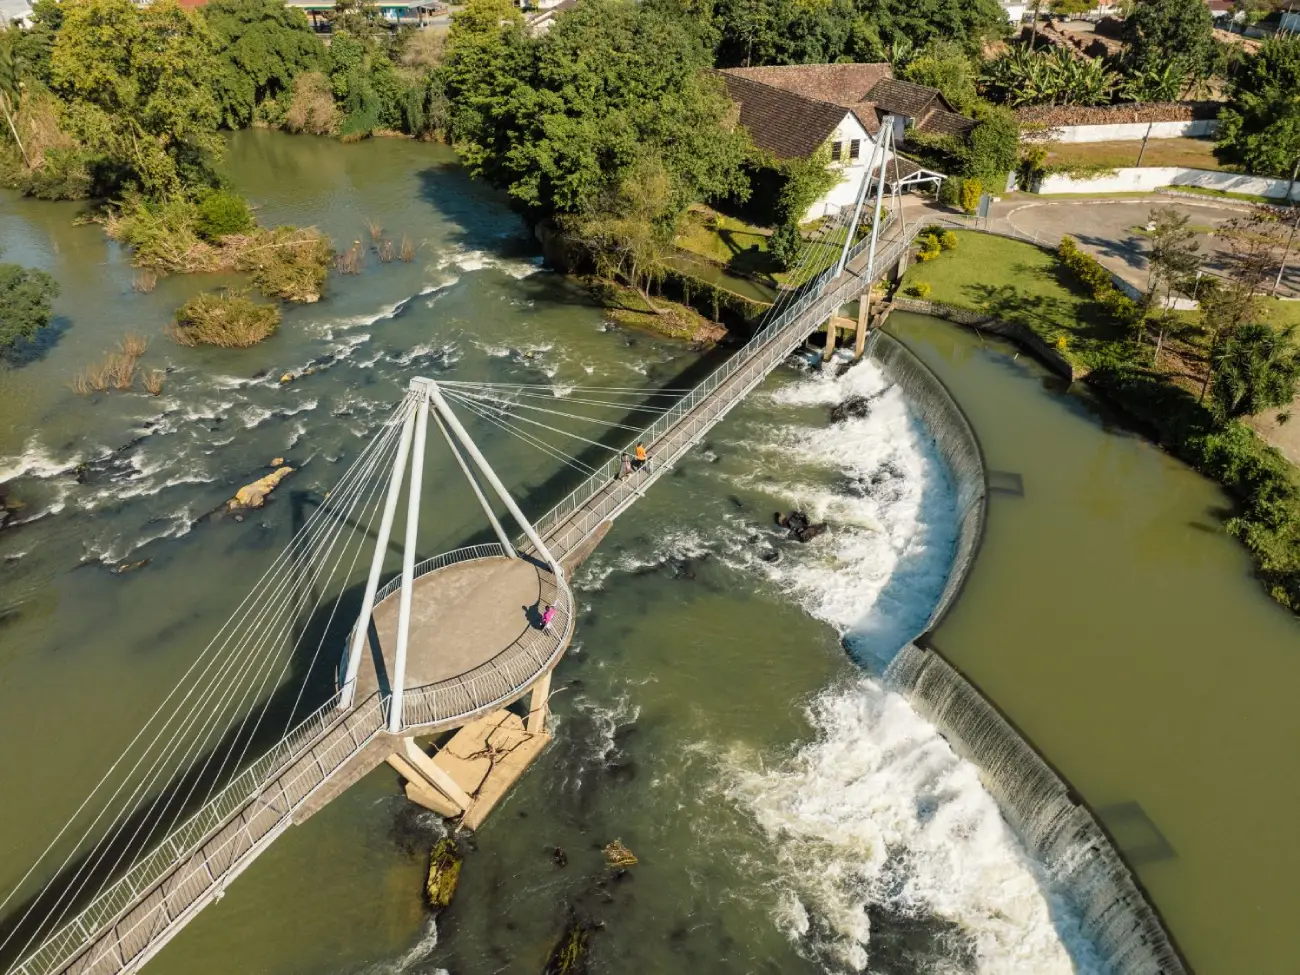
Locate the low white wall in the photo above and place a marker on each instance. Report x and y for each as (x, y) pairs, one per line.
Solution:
(1128, 131)
(1149, 178)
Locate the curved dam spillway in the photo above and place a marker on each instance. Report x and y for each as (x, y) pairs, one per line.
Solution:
(1057, 830)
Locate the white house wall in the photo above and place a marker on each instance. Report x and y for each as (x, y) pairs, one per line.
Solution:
(845, 192)
(1149, 178)
(1126, 131)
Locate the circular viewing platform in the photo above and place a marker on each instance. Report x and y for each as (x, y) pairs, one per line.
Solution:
(476, 639)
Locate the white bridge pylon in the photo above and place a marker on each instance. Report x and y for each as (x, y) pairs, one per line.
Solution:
(426, 399)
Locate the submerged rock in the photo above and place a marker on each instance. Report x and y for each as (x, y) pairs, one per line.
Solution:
(445, 860)
(559, 857)
(254, 495)
(800, 527)
(569, 956)
(855, 407)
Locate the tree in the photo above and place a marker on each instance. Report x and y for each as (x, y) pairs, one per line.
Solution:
(1254, 249)
(559, 121)
(992, 147)
(1158, 83)
(1173, 257)
(25, 297)
(1162, 32)
(946, 66)
(1255, 369)
(1260, 128)
(137, 89)
(260, 47)
(11, 87)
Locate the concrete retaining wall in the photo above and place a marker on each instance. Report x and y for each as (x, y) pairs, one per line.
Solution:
(957, 444)
(1130, 131)
(1149, 178)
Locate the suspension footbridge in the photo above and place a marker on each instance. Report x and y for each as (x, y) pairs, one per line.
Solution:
(448, 644)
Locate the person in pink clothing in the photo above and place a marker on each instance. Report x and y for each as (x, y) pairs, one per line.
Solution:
(547, 615)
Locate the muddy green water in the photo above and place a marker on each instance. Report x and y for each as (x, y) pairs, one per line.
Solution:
(1122, 632)
(790, 814)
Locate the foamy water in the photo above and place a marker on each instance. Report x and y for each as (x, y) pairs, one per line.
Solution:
(877, 810)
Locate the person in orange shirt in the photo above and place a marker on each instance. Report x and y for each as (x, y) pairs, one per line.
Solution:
(642, 458)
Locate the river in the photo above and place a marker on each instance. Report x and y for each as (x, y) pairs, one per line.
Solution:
(789, 814)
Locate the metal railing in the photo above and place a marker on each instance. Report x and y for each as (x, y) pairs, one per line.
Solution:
(467, 554)
(769, 346)
(122, 896)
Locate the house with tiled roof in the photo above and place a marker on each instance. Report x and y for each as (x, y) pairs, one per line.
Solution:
(791, 111)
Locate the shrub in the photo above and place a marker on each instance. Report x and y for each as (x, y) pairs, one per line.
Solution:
(287, 262)
(230, 319)
(971, 191)
(1099, 283)
(919, 290)
(222, 213)
(947, 240)
(163, 236)
(930, 248)
(311, 108)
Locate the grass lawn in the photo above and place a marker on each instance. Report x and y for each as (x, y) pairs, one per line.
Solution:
(1017, 282)
(1191, 153)
(743, 249)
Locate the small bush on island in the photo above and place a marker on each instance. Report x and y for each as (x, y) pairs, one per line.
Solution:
(221, 214)
(287, 263)
(919, 290)
(230, 319)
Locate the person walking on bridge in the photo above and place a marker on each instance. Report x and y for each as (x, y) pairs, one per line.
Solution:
(548, 614)
(642, 458)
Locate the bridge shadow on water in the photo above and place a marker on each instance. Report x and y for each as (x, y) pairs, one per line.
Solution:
(309, 683)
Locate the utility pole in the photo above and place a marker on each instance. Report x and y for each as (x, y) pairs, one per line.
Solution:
(1290, 191)
(1142, 151)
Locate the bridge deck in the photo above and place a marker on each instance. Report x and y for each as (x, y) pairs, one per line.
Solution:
(128, 923)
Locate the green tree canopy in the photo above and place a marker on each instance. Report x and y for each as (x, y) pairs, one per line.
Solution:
(25, 297)
(137, 84)
(561, 120)
(1260, 128)
(1161, 32)
(260, 47)
(1257, 367)
(946, 66)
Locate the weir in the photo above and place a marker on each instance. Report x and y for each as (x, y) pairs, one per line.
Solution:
(1057, 829)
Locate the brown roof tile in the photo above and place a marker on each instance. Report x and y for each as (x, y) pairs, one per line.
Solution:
(905, 98)
(940, 122)
(782, 122)
(839, 84)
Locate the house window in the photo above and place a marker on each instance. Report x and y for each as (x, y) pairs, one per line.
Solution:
(855, 148)
(837, 149)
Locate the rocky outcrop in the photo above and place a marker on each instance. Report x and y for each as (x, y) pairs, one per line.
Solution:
(445, 861)
(800, 527)
(254, 495)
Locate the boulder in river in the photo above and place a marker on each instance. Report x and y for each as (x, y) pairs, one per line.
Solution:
(854, 407)
(254, 495)
(445, 860)
(618, 855)
(801, 528)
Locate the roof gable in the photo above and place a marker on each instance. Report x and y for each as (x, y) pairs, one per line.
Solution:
(906, 98)
(782, 122)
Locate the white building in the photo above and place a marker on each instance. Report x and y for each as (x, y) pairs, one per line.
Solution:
(15, 10)
(791, 111)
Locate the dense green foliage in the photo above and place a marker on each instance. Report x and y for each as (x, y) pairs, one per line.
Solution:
(1256, 369)
(136, 86)
(612, 87)
(1049, 77)
(25, 297)
(1180, 32)
(753, 32)
(222, 213)
(946, 66)
(1260, 129)
(260, 47)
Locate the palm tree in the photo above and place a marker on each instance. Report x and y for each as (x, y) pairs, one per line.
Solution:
(1256, 368)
